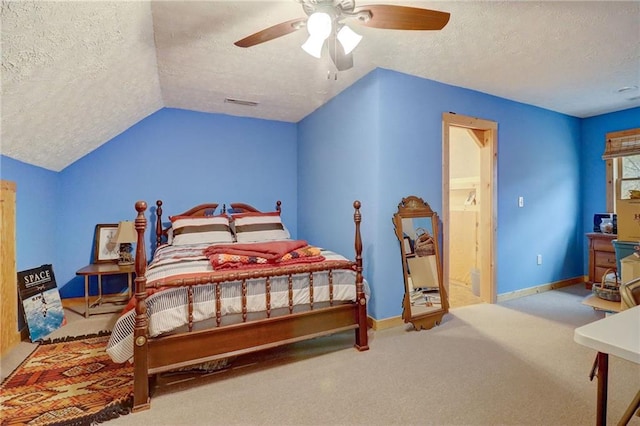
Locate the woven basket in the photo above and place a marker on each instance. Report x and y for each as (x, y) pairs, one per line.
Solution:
(608, 289)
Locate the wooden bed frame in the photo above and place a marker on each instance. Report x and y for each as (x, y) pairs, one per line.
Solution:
(153, 355)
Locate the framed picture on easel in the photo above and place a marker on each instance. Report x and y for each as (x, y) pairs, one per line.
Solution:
(105, 247)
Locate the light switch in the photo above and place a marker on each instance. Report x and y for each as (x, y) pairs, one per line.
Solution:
(520, 201)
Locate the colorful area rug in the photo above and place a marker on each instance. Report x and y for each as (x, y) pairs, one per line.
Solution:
(67, 382)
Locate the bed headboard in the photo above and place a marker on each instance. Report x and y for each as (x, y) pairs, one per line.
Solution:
(243, 208)
(202, 210)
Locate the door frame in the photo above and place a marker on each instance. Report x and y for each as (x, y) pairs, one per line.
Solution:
(485, 133)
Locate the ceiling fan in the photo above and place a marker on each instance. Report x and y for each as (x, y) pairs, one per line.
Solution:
(326, 21)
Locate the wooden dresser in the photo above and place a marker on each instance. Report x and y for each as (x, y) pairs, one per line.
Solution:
(602, 256)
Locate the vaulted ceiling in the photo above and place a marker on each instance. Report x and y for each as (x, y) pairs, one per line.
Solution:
(76, 74)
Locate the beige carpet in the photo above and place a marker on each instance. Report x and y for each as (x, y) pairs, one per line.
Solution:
(514, 363)
(460, 294)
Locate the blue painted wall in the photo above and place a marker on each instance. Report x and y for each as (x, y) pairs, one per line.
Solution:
(181, 157)
(338, 163)
(377, 141)
(37, 212)
(396, 121)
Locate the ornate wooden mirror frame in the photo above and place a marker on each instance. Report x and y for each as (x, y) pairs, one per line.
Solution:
(417, 229)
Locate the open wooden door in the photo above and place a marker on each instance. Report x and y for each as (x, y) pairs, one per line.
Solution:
(485, 134)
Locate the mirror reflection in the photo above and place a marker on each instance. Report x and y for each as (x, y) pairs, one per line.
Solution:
(416, 227)
(422, 266)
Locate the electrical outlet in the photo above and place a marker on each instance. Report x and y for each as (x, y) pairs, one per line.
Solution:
(520, 201)
(539, 259)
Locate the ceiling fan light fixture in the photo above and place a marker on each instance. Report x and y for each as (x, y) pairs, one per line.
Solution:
(319, 25)
(313, 46)
(348, 38)
(325, 21)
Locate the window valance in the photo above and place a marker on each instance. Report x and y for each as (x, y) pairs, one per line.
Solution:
(621, 144)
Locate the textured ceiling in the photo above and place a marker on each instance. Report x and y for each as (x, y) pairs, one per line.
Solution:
(76, 74)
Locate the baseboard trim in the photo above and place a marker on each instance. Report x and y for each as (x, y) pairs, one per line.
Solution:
(539, 289)
(73, 301)
(384, 323)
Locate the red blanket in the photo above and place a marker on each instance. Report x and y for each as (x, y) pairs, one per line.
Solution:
(273, 253)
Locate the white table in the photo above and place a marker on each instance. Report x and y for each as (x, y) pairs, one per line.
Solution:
(618, 335)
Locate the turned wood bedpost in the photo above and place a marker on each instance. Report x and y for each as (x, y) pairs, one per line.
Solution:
(158, 223)
(361, 332)
(140, 334)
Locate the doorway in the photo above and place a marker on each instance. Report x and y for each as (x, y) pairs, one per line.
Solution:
(469, 200)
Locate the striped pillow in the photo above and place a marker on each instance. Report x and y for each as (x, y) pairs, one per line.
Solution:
(253, 227)
(200, 230)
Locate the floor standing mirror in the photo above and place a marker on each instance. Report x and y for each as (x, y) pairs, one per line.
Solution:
(425, 299)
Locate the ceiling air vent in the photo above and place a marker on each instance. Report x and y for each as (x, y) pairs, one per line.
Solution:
(240, 102)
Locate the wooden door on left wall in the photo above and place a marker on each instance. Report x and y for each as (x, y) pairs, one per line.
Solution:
(9, 335)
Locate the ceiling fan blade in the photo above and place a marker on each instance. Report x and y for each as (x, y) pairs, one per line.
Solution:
(393, 17)
(270, 33)
(342, 61)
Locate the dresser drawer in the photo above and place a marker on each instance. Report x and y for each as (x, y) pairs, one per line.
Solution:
(605, 259)
(599, 272)
(602, 256)
(603, 245)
